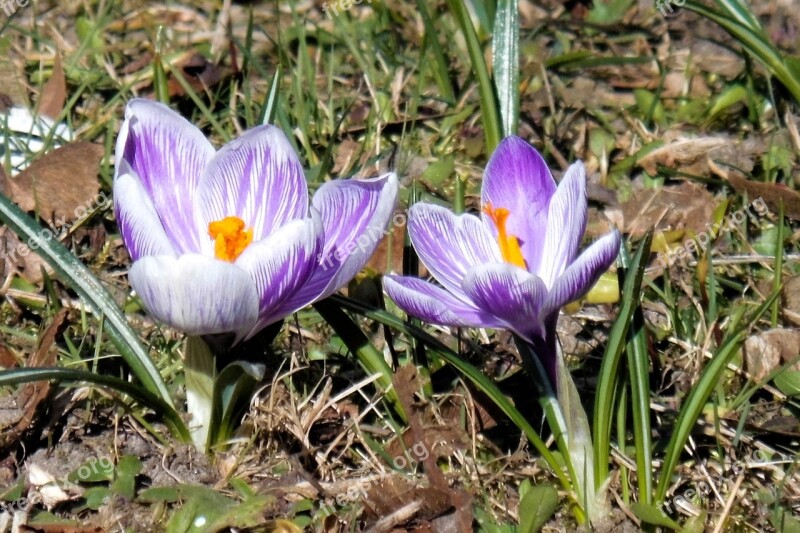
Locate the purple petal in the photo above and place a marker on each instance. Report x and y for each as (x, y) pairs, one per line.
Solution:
(280, 265)
(583, 273)
(517, 179)
(449, 245)
(257, 178)
(196, 294)
(510, 293)
(436, 305)
(566, 223)
(354, 213)
(168, 154)
(137, 219)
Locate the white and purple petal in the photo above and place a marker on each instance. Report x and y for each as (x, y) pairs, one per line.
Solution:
(355, 213)
(196, 294)
(449, 245)
(256, 178)
(137, 219)
(168, 154)
(583, 272)
(510, 293)
(280, 265)
(566, 223)
(517, 178)
(436, 305)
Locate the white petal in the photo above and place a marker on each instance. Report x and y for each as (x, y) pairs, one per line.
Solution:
(196, 294)
(566, 222)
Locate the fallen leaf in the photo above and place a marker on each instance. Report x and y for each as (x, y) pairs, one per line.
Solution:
(61, 185)
(198, 71)
(791, 299)
(54, 92)
(692, 156)
(686, 206)
(32, 394)
(771, 193)
(766, 351)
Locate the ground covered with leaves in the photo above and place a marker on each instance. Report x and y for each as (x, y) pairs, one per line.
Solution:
(680, 131)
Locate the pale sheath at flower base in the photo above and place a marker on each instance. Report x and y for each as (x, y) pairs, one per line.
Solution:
(515, 266)
(225, 241)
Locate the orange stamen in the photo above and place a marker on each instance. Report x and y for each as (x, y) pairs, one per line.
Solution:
(230, 238)
(509, 244)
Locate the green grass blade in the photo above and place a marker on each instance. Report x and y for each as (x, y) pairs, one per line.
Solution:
(369, 357)
(439, 68)
(76, 275)
(163, 409)
(473, 374)
(754, 42)
(491, 121)
(695, 401)
(740, 12)
(607, 381)
(271, 102)
(638, 373)
(505, 64)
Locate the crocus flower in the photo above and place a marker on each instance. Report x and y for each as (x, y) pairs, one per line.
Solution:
(517, 264)
(225, 241)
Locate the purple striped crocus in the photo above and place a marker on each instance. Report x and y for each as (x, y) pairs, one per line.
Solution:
(225, 241)
(516, 265)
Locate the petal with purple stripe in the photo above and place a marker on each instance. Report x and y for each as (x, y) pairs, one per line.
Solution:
(137, 219)
(510, 293)
(517, 178)
(196, 294)
(449, 245)
(355, 213)
(436, 305)
(280, 265)
(257, 178)
(566, 223)
(168, 154)
(583, 272)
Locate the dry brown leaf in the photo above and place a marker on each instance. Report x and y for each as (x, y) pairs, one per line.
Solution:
(684, 206)
(692, 155)
(61, 183)
(771, 193)
(791, 300)
(54, 92)
(32, 394)
(5, 186)
(198, 72)
(7, 359)
(766, 351)
(407, 382)
(395, 492)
